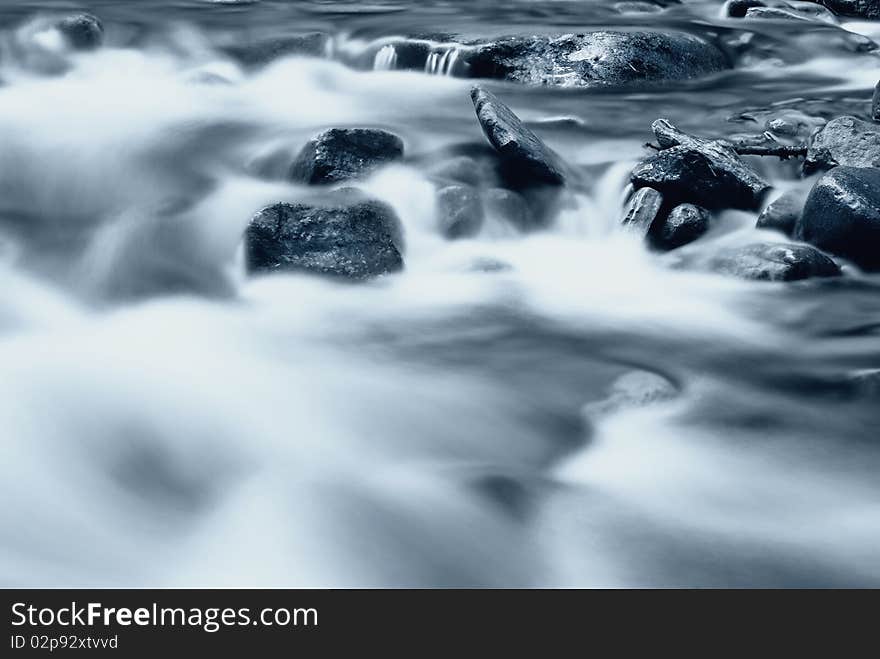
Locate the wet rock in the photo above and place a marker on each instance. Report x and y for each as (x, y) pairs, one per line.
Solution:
(527, 160)
(708, 173)
(345, 235)
(459, 211)
(341, 154)
(684, 224)
(782, 213)
(842, 215)
(854, 8)
(875, 103)
(642, 211)
(844, 141)
(773, 262)
(258, 53)
(738, 8)
(82, 31)
(792, 12)
(510, 207)
(595, 58)
(632, 390)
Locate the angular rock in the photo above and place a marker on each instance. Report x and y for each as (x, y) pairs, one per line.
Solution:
(525, 157)
(346, 235)
(773, 262)
(782, 213)
(595, 58)
(844, 141)
(341, 154)
(738, 8)
(708, 173)
(510, 207)
(82, 31)
(842, 215)
(459, 211)
(684, 224)
(258, 53)
(642, 211)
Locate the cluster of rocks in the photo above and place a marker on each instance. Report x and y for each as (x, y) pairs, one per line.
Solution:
(342, 232)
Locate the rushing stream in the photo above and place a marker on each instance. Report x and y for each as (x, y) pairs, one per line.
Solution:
(167, 420)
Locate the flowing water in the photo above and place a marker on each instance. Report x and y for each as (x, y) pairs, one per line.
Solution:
(167, 421)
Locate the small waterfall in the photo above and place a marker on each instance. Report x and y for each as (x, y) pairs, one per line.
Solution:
(442, 63)
(385, 59)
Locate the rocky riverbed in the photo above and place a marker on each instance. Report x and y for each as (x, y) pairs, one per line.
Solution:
(444, 293)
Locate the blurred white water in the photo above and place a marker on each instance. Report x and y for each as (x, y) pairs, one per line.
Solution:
(166, 421)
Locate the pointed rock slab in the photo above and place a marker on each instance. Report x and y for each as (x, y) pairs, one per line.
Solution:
(708, 173)
(642, 211)
(527, 159)
(846, 141)
(773, 262)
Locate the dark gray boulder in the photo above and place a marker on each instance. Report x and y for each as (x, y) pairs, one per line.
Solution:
(341, 154)
(708, 173)
(345, 235)
(854, 8)
(460, 211)
(526, 159)
(642, 211)
(260, 52)
(684, 224)
(842, 215)
(594, 58)
(782, 213)
(844, 141)
(875, 103)
(510, 207)
(82, 31)
(773, 262)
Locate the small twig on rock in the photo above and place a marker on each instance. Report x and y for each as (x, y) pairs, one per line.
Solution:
(781, 151)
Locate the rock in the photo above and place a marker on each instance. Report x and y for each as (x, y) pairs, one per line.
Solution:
(844, 141)
(774, 13)
(782, 213)
(800, 11)
(525, 157)
(594, 58)
(632, 390)
(738, 8)
(82, 31)
(875, 103)
(346, 235)
(258, 53)
(510, 207)
(340, 154)
(459, 169)
(684, 224)
(773, 262)
(708, 173)
(854, 8)
(459, 211)
(642, 211)
(842, 215)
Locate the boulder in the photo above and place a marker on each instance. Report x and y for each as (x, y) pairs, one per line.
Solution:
(773, 262)
(345, 235)
(263, 51)
(842, 215)
(875, 103)
(782, 213)
(510, 207)
(684, 224)
(341, 154)
(459, 211)
(81, 31)
(525, 158)
(844, 141)
(594, 58)
(708, 173)
(642, 211)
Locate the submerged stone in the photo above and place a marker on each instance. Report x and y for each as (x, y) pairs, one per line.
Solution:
(773, 262)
